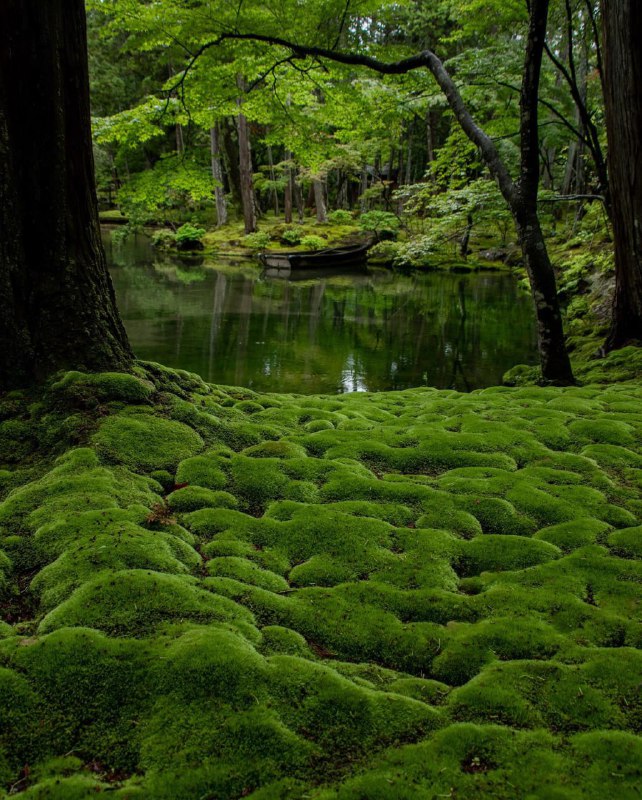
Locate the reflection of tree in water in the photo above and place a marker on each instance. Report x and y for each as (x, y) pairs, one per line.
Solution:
(388, 331)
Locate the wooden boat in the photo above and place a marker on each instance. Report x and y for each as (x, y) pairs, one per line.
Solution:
(315, 259)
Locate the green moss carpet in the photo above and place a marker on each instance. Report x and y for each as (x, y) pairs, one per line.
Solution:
(214, 594)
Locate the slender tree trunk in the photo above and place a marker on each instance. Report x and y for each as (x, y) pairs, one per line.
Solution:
(465, 239)
(180, 140)
(288, 192)
(555, 362)
(57, 305)
(622, 23)
(245, 166)
(229, 140)
(319, 200)
(275, 194)
(217, 174)
(364, 189)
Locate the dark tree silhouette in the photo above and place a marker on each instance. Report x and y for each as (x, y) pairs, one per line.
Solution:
(57, 305)
(622, 26)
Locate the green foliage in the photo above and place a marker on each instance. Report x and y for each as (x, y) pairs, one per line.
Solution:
(340, 217)
(291, 236)
(188, 235)
(312, 242)
(382, 223)
(257, 241)
(168, 190)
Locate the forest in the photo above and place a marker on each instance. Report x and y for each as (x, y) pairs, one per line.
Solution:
(321, 399)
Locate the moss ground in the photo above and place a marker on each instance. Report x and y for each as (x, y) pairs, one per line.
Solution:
(210, 593)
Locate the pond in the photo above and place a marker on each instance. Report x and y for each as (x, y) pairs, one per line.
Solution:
(363, 331)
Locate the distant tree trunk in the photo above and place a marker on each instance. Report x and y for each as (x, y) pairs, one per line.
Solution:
(275, 194)
(319, 200)
(465, 239)
(430, 138)
(622, 23)
(245, 166)
(287, 195)
(342, 189)
(364, 189)
(217, 174)
(180, 141)
(229, 140)
(57, 305)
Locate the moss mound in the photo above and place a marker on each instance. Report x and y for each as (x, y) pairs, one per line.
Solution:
(214, 593)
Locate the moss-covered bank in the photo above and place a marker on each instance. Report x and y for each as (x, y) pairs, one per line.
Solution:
(216, 594)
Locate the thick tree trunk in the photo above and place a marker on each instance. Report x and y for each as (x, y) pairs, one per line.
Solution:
(57, 305)
(622, 22)
(319, 200)
(217, 174)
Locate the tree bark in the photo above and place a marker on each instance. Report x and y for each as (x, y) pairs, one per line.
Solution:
(622, 22)
(217, 174)
(288, 191)
(319, 200)
(57, 304)
(245, 166)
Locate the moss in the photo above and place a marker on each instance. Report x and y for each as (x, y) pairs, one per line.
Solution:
(134, 601)
(498, 553)
(280, 449)
(242, 569)
(626, 542)
(129, 547)
(76, 483)
(201, 471)
(460, 585)
(18, 439)
(572, 535)
(191, 498)
(80, 387)
(143, 442)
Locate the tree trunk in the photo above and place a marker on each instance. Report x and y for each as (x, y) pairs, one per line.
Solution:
(275, 194)
(288, 191)
(622, 22)
(217, 174)
(245, 170)
(319, 200)
(57, 304)
(364, 188)
(229, 136)
(245, 166)
(550, 334)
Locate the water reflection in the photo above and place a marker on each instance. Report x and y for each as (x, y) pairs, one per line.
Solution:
(365, 331)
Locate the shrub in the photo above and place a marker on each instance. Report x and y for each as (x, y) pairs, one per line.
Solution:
(291, 236)
(163, 239)
(382, 223)
(188, 237)
(257, 241)
(313, 242)
(340, 217)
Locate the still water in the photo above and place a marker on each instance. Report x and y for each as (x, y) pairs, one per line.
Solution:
(364, 331)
